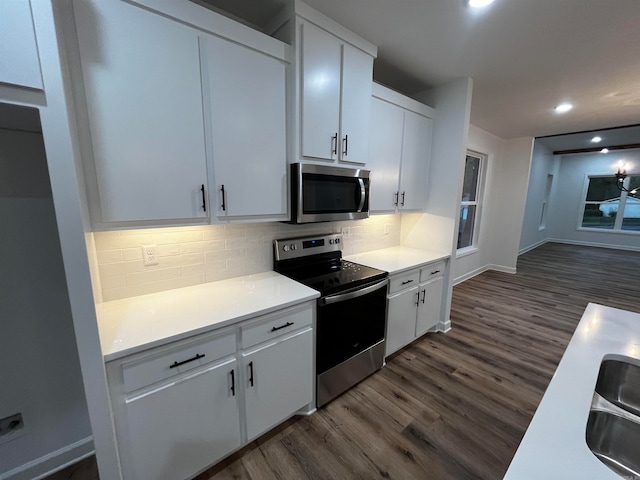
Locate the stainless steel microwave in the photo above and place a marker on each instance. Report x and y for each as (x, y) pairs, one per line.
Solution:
(324, 194)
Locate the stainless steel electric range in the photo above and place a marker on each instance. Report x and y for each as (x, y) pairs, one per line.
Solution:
(351, 313)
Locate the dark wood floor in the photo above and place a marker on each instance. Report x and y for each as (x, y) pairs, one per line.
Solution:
(455, 405)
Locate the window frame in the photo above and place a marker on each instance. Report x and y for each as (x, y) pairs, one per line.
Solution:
(617, 226)
(473, 247)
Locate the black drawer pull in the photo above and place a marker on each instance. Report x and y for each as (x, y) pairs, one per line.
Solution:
(408, 281)
(251, 373)
(204, 200)
(197, 357)
(435, 271)
(288, 324)
(233, 383)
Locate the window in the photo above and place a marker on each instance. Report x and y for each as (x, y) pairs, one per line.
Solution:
(545, 202)
(469, 208)
(606, 207)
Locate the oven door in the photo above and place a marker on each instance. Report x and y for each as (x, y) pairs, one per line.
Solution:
(322, 194)
(349, 338)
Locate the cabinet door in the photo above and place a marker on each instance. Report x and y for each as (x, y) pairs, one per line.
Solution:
(184, 426)
(321, 55)
(416, 152)
(144, 98)
(244, 93)
(430, 305)
(19, 62)
(385, 150)
(357, 74)
(401, 320)
(279, 381)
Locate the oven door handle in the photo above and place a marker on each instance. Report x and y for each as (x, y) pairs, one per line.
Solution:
(363, 194)
(354, 294)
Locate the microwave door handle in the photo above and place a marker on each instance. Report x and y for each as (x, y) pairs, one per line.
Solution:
(341, 297)
(363, 194)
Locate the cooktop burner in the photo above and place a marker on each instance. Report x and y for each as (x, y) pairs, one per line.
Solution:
(317, 262)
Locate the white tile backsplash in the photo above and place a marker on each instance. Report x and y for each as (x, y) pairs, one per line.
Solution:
(199, 254)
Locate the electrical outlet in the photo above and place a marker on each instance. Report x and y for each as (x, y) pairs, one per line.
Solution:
(10, 426)
(386, 228)
(150, 254)
(346, 232)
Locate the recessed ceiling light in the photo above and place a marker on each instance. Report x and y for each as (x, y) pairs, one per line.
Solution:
(563, 107)
(604, 150)
(596, 139)
(479, 3)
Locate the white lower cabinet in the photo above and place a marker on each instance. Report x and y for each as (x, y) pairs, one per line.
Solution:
(270, 371)
(414, 304)
(205, 397)
(182, 427)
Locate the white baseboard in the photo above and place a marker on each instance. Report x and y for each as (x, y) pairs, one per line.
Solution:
(535, 245)
(52, 462)
(445, 326)
(595, 244)
(478, 271)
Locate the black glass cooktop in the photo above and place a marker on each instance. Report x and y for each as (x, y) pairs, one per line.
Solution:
(328, 273)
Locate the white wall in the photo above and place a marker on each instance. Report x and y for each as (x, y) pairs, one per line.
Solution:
(508, 197)
(543, 163)
(39, 366)
(566, 205)
(502, 208)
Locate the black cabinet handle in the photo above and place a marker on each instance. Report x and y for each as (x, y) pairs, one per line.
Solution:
(334, 144)
(424, 294)
(417, 298)
(435, 271)
(288, 324)
(397, 195)
(177, 364)
(402, 203)
(224, 208)
(408, 281)
(251, 373)
(345, 142)
(233, 383)
(204, 200)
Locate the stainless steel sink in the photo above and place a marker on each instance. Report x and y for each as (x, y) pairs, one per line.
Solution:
(615, 440)
(619, 383)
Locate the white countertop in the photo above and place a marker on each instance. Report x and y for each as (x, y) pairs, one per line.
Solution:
(134, 324)
(396, 259)
(554, 446)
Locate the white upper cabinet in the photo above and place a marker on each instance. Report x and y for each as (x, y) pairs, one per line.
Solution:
(335, 73)
(321, 53)
(144, 100)
(416, 152)
(357, 72)
(399, 151)
(245, 114)
(19, 61)
(385, 152)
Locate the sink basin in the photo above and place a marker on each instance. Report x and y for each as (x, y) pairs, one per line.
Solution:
(615, 441)
(619, 383)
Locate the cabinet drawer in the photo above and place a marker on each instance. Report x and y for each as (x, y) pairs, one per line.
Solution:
(404, 280)
(273, 326)
(433, 270)
(165, 362)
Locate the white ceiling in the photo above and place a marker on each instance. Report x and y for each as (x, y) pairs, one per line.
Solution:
(525, 56)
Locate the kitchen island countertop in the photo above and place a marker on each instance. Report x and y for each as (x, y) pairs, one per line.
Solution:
(135, 324)
(554, 445)
(397, 259)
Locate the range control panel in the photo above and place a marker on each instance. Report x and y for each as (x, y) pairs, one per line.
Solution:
(289, 248)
